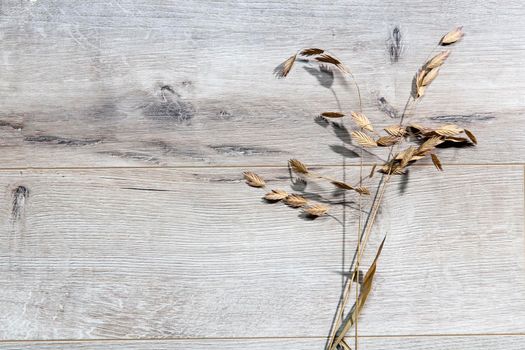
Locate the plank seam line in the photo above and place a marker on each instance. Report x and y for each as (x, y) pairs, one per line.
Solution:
(386, 336)
(245, 166)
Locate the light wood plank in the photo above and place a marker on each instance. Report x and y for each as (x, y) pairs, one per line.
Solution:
(114, 83)
(406, 343)
(134, 253)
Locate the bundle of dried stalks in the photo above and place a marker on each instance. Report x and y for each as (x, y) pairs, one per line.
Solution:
(421, 142)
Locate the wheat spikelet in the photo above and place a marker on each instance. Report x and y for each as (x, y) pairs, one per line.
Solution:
(332, 115)
(406, 156)
(342, 185)
(436, 161)
(395, 130)
(253, 179)
(285, 67)
(386, 141)
(327, 58)
(295, 201)
(298, 166)
(448, 130)
(437, 60)
(452, 36)
(363, 139)
(362, 190)
(471, 136)
(275, 195)
(311, 52)
(429, 145)
(430, 76)
(316, 210)
(362, 121)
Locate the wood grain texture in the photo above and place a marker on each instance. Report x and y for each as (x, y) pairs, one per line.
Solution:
(138, 253)
(114, 83)
(402, 343)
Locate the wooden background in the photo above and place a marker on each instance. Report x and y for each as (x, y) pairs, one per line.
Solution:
(125, 127)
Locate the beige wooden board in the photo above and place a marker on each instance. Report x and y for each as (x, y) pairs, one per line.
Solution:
(152, 253)
(127, 83)
(508, 342)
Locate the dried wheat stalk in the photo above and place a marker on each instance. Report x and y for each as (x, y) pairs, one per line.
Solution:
(424, 142)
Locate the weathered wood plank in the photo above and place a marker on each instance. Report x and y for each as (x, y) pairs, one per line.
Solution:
(402, 343)
(190, 83)
(134, 253)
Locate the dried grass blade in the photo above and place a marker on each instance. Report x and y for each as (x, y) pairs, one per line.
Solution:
(366, 287)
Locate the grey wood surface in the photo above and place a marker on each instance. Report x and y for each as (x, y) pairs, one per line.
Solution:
(141, 253)
(189, 83)
(125, 127)
(507, 342)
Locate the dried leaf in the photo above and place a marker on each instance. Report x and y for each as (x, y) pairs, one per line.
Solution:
(448, 130)
(362, 121)
(436, 161)
(317, 210)
(437, 60)
(342, 185)
(275, 195)
(395, 130)
(332, 115)
(295, 201)
(285, 67)
(385, 141)
(298, 166)
(471, 136)
(452, 36)
(363, 139)
(366, 287)
(362, 190)
(311, 52)
(253, 179)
